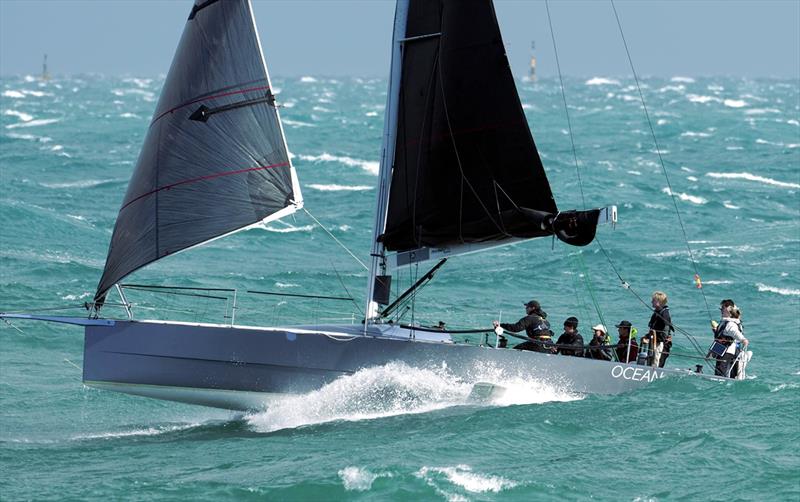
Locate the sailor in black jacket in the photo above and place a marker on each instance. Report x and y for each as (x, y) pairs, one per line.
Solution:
(536, 326)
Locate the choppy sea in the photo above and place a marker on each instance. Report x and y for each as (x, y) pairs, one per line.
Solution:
(732, 151)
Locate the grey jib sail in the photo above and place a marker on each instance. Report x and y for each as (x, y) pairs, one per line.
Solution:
(214, 159)
(466, 169)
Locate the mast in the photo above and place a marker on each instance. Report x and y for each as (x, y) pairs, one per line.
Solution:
(377, 256)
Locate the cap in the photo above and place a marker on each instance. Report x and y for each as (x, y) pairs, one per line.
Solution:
(533, 304)
(624, 324)
(599, 327)
(571, 321)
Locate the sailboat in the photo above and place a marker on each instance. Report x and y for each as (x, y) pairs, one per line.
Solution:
(459, 173)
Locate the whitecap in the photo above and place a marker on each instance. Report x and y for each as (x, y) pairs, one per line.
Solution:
(374, 114)
(77, 297)
(129, 115)
(753, 177)
(297, 123)
(793, 122)
(307, 79)
(729, 205)
(286, 285)
(693, 134)
(463, 476)
(322, 109)
(602, 81)
(764, 288)
(734, 148)
(33, 123)
(695, 98)
(340, 188)
(82, 183)
(691, 178)
(683, 80)
(36, 94)
(359, 478)
(761, 111)
(673, 88)
(29, 137)
(734, 103)
(20, 115)
(56, 148)
(695, 199)
(288, 229)
(367, 165)
(713, 283)
(635, 173)
(715, 88)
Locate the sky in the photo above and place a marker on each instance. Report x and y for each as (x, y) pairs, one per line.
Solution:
(749, 38)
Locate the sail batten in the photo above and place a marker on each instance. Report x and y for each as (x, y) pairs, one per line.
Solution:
(198, 180)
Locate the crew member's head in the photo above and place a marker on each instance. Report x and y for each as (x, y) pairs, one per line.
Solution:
(659, 300)
(533, 307)
(726, 307)
(599, 331)
(624, 329)
(570, 325)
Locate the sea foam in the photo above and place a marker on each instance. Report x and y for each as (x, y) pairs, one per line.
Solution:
(753, 177)
(339, 188)
(463, 476)
(367, 165)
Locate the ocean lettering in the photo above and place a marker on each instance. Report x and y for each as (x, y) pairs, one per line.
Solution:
(638, 374)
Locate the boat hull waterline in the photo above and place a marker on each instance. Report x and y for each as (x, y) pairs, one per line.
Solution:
(244, 368)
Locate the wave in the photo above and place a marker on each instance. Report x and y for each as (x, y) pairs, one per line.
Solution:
(601, 81)
(33, 123)
(463, 476)
(297, 123)
(761, 111)
(695, 199)
(367, 165)
(764, 288)
(288, 229)
(753, 177)
(82, 183)
(696, 98)
(683, 80)
(396, 389)
(308, 80)
(149, 431)
(692, 134)
(13, 94)
(339, 188)
(20, 115)
(734, 103)
(728, 204)
(360, 479)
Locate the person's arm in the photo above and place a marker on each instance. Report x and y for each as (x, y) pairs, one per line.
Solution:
(518, 326)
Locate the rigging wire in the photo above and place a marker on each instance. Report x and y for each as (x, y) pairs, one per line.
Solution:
(564, 97)
(335, 239)
(587, 278)
(660, 158)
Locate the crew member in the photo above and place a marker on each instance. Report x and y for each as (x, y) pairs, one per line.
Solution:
(535, 325)
(570, 343)
(627, 348)
(599, 347)
(728, 332)
(660, 334)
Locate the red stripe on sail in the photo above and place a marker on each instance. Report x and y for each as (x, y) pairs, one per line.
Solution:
(203, 178)
(264, 88)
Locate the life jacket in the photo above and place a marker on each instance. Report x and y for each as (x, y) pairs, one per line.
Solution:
(720, 334)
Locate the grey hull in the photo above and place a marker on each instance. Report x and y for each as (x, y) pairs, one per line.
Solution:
(242, 368)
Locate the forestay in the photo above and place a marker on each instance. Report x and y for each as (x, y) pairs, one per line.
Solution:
(466, 170)
(214, 160)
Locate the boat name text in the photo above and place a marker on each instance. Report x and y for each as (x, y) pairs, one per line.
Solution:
(634, 373)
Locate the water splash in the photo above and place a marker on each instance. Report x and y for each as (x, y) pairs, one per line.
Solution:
(397, 389)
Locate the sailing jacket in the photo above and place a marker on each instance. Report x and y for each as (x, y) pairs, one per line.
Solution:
(574, 339)
(661, 323)
(602, 352)
(622, 351)
(535, 326)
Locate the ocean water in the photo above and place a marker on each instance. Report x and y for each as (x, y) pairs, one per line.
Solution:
(732, 151)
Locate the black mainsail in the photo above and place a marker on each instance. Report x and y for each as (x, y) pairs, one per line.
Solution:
(465, 168)
(215, 159)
